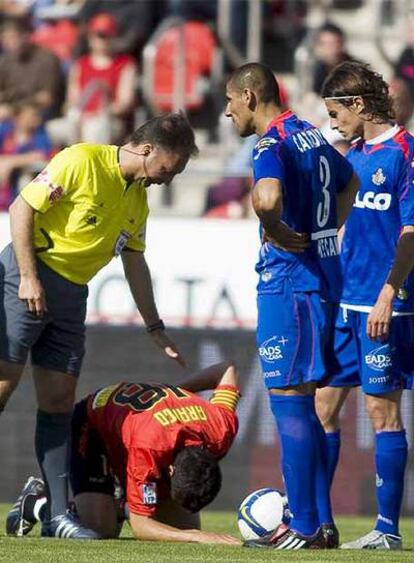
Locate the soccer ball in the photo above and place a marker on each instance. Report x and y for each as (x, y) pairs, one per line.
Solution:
(262, 512)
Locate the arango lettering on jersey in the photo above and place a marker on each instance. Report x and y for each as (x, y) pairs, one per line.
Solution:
(190, 413)
(371, 200)
(309, 139)
(327, 242)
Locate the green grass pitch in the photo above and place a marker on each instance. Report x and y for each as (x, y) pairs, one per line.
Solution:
(34, 549)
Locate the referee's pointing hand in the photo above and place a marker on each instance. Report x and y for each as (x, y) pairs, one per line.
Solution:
(163, 341)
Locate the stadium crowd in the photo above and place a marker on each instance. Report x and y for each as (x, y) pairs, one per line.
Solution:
(88, 85)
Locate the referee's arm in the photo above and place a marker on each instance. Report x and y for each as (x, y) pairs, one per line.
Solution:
(21, 227)
(139, 279)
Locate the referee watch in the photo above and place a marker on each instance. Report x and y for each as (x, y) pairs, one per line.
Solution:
(159, 325)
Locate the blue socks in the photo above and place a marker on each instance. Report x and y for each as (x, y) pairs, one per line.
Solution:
(51, 445)
(334, 445)
(390, 461)
(299, 446)
(323, 483)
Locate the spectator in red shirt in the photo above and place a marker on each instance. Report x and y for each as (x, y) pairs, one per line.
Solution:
(101, 90)
(161, 443)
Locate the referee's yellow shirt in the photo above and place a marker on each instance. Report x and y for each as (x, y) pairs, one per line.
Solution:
(87, 211)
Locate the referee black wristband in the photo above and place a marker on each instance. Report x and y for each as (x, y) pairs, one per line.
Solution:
(159, 325)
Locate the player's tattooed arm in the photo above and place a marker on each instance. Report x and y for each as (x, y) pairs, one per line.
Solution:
(224, 373)
(267, 199)
(380, 317)
(21, 226)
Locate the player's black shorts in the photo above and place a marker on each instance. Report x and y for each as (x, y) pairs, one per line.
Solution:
(89, 463)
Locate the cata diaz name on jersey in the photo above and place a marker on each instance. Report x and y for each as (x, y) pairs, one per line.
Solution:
(309, 139)
(327, 242)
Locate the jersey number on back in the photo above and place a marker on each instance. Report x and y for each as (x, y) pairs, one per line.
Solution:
(143, 396)
(323, 210)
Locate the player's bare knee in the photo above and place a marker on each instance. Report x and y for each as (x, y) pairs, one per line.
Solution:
(327, 414)
(384, 413)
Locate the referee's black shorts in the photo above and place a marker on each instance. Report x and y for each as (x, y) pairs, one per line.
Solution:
(56, 340)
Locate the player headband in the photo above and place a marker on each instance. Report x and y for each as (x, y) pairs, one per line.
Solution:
(339, 97)
(348, 97)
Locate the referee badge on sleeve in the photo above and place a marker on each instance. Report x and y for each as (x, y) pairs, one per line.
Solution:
(121, 242)
(149, 493)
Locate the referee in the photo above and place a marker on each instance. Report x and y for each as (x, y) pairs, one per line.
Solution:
(87, 206)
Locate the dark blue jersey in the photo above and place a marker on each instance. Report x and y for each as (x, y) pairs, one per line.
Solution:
(384, 204)
(311, 172)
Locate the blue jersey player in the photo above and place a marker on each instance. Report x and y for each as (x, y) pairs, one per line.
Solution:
(302, 190)
(374, 337)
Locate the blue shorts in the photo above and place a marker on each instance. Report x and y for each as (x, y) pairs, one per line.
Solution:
(292, 337)
(379, 367)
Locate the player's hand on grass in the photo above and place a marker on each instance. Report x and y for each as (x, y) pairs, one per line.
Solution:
(211, 537)
(379, 319)
(285, 238)
(162, 340)
(32, 293)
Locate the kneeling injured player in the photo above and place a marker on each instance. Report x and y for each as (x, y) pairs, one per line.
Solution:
(161, 443)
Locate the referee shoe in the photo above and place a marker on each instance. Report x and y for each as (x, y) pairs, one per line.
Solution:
(17, 523)
(67, 526)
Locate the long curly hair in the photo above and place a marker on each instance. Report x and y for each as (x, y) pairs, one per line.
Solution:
(352, 79)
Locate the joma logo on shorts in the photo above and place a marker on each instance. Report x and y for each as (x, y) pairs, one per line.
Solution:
(379, 359)
(379, 379)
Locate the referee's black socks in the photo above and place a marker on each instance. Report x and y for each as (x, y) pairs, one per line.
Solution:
(52, 451)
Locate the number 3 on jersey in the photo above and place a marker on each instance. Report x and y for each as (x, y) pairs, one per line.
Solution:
(323, 209)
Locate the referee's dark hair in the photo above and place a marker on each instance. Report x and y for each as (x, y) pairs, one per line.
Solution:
(256, 77)
(196, 479)
(171, 131)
